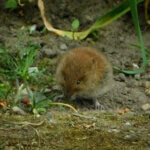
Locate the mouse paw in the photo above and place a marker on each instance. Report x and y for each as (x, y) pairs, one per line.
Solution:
(97, 105)
(58, 98)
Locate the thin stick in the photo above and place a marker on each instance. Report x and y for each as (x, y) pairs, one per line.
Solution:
(63, 104)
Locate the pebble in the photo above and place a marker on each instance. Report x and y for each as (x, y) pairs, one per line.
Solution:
(63, 46)
(137, 76)
(132, 83)
(131, 131)
(32, 28)
(38, 115)
(128, 124)
(146, 76)
(18, 110)
(146, 107)
(113, 130)
(121, 39)
(122, 77)
(58, 98)
(135, 66)
(48, 115)
(56, 88)
(127, 137)
(146, 84)
(50, 52)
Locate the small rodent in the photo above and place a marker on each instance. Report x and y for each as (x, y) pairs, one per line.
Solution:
(84, 72)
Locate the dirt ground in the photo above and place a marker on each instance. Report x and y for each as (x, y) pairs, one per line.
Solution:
(95, 129)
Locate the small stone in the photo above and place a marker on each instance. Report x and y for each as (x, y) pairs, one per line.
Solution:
(127, 137)
(132, 83)
(145, 107)
(137, 76)
(128, 124)
(147, 91)
(58, 98)
(48, 115)
(33, 71)
(147, 77)
(113, 130)
(47, 90)
(18, 110)
(146, 84)
(63, 46)
(135, 66)
(38, 115)
(122, 77)
(50, 52)
(32, 28)
(56, 88)
(121, 39)
(131, 131)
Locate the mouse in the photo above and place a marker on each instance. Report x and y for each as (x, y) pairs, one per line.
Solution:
(85, 72)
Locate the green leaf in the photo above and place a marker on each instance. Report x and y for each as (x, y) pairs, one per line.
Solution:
(35, 111)
(133, 5)
(11, 4)
(139, 47)
(75, 24)
(134, 12)
(41, 109)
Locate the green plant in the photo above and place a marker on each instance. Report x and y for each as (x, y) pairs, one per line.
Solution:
(5, 88)
(11, 4)
(75, 25)
(139, 47)
(133, 6)
(16, 66)
(36, 101)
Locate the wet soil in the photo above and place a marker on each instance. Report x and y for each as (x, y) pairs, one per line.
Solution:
(64, 131)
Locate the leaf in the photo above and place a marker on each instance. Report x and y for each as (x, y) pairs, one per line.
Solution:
(134, 12)
(2, 103)
(75, 24)
(139, 47)
(35, 111)
(102, 21)
(11, 4)
(41, 109)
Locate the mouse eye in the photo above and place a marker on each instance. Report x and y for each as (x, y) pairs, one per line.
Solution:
(78, 82)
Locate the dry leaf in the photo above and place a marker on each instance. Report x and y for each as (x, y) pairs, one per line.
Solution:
(89, 125)
(122, 111)
(2, 103)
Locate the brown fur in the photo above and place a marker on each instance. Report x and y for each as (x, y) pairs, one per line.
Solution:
(84, 72)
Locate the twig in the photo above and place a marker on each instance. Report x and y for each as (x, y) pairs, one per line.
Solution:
(63, 104)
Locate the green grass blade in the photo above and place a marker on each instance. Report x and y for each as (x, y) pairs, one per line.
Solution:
(111, 16)
(134, 12)
(139, 47)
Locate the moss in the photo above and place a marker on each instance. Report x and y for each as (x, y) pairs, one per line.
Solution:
(66, 131)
